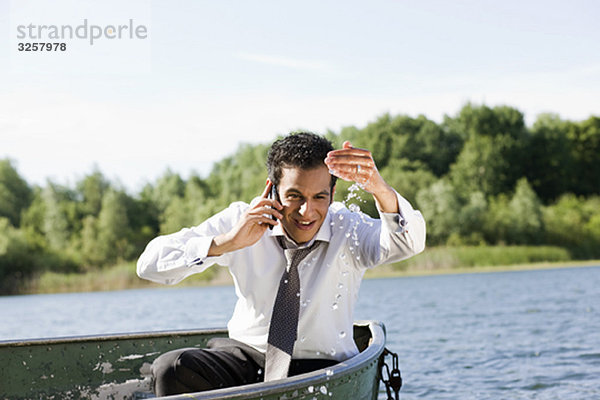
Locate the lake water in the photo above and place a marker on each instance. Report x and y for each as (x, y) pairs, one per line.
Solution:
(504, 335)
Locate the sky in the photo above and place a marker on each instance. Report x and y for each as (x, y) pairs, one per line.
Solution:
(198, 78)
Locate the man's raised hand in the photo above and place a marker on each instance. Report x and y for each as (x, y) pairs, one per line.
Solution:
(354, 164)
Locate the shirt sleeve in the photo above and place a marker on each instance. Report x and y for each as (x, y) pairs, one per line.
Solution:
(171, 258)
(402, 234)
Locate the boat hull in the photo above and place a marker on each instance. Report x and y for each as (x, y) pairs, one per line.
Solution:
(118, 367)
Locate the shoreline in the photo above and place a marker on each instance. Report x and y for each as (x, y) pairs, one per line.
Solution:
(387, 271)
(221, 277)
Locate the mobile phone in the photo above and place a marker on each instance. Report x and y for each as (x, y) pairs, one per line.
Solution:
(273, 195)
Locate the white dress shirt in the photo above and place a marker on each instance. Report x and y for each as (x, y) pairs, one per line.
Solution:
(329, 277)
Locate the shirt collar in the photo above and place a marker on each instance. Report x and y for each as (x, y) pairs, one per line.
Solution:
(323, 234)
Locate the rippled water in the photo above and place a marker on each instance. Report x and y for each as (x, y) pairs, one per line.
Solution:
(506, 335)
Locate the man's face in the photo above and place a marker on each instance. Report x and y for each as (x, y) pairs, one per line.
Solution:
(305, 195)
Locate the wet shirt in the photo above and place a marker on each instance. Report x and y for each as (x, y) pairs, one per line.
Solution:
(330, 276)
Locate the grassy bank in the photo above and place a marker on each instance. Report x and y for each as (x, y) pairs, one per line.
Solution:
(444, 258)
(434, 260)
(119, 277)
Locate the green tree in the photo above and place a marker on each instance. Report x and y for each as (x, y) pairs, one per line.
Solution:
(92, 253)
(526, 215)
(481, 120)
(481, 166)
(15, 193)
(572, 222)
(18, 260)
(497, 227)
(403, 137)
(440, 206)
(470, 218)
(33, 220)
(585, 140)
(184, 211)
(56, 226)
(550, 164)
(239, 177)
(408, 177)
(113, 227)
(92, 189)
(168, 186)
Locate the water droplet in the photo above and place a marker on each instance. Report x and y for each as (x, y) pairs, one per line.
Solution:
(341, 217)
(342, 256)
(347, 234)
(311, 389)
(285, 281)
(318, 353)
(358, 257)
(329, 372)
(356, 243)
(332, 352)
(342, 334)
(323, 389)
(345, 273)
(338, 297)
(340, 285)
(303, 339)
(298, 294)
(334, 306)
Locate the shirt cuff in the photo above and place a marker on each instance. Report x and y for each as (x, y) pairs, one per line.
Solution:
(395, 221)
(196, 250)
(398, 220)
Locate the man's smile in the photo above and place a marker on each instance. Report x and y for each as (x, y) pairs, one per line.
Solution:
(304, 225)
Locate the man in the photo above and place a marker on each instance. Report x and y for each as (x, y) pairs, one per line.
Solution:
(297, 260)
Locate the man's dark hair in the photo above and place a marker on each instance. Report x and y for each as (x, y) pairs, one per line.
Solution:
(303, 150)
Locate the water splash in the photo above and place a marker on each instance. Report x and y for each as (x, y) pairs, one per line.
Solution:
(355, 208)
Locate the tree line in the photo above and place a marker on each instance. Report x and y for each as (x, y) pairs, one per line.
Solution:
(479, 177)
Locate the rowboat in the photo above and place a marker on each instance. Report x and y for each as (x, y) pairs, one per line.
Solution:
(118, 367)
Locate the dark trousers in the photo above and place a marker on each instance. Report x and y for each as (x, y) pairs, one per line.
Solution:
(224, 363)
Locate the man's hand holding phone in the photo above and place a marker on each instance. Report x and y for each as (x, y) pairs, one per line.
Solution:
(264, 211)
